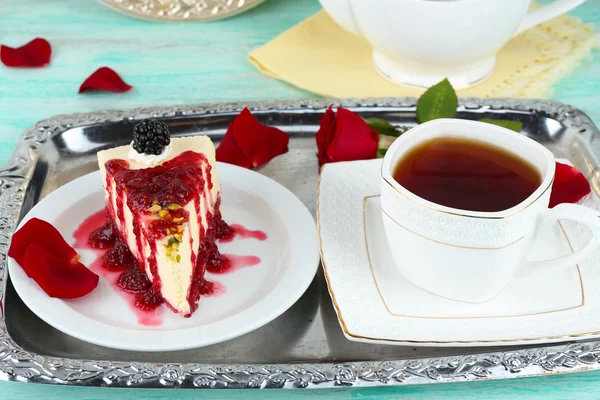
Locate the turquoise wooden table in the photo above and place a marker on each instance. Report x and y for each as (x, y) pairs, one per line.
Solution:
(193, 63)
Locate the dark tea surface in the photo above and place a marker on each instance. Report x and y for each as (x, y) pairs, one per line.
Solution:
(467, 174)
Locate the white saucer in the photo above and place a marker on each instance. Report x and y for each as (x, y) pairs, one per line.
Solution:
(374, 303)
(253, 297)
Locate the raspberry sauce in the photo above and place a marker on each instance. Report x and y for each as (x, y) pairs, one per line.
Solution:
(230, 262)
(119, 257)
(134, 280)
(226, 235)
(212, 288)
(87, 228)
(148, 193)
(117, 266)
(174, 182)
(103, 237)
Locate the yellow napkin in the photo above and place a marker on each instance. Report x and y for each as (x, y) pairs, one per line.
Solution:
(319, 56)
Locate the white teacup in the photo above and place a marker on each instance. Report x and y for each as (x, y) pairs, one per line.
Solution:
(468, 255)
(420, 42)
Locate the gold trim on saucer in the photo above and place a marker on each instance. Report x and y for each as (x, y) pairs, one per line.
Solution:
(446, 342)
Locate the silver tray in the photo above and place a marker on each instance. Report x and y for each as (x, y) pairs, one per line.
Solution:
(305, 347)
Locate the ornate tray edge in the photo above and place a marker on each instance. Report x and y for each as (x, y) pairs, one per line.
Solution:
(17, 364)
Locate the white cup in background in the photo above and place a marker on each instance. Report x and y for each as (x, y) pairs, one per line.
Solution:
(420, 42)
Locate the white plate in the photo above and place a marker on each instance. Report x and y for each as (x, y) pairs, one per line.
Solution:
(253, 297)
(374, 303)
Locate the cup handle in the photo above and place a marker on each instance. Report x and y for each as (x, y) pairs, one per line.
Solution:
(547, 12)
(576, 213)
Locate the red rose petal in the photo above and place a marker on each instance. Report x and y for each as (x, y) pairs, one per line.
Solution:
(325, 135)
(260, 143)
(248, 143)
(45, 235)
(34, 54)
(347, 138)
(230, 152)
(57, 277)
(569, 185)
(104, 79)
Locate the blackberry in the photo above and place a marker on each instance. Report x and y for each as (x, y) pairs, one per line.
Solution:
(151, 137)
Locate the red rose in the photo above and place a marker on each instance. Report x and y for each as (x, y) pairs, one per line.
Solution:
(345, 136)
(250, 144)
(569, 185)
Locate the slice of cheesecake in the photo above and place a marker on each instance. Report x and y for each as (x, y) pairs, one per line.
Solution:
(167, 213)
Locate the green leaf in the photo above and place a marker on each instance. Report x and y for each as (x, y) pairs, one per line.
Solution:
(439, 101)
(381, 152)
(378, 123)
(384, 127)
(505, 123)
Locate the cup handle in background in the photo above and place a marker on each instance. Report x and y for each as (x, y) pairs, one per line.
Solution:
(577, 213)
(549, 11)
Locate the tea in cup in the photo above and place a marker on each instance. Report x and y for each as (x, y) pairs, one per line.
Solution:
(461, 202)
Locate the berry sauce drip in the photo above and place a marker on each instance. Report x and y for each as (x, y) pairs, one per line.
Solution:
(226, 235)
(151, 137)
(119, 258)
(227, 263)
(134, 281)
(103, 237)
(208, 251)
(87, 227)
(212, 288)
(148, 300)
(224, 231)
(113, 262)
(121, 268)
